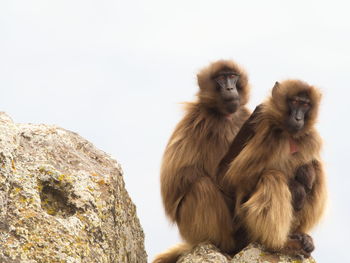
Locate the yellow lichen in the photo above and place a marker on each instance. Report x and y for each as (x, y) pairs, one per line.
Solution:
(61, 177)
(23, 199)
(39, 187)
(27, 246)
(51, 211)
(16, 190)
(13, 164)
(64, 177)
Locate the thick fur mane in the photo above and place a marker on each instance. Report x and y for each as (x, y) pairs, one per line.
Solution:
(212, 134)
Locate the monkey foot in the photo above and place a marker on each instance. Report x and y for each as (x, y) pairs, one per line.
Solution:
(300, 243)
(305, 240)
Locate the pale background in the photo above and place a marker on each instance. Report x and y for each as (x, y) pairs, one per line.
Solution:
(115, 71)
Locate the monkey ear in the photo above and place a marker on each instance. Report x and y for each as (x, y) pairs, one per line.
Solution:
(275, 89)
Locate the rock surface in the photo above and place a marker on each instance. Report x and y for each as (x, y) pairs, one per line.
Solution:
(62, 200)
(254, 253)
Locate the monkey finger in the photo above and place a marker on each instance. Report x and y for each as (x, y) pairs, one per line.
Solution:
(295, 236)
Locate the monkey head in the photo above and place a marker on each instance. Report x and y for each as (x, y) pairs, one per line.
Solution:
(297, 104)
(226, 81)
(223, 87)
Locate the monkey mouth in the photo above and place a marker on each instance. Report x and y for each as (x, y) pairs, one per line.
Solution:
(231, 100)
(231, 106)
(295, 127)
(294, 131)
(299, 125)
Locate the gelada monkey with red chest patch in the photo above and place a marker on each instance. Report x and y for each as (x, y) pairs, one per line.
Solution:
(191, 196)
(277, 178)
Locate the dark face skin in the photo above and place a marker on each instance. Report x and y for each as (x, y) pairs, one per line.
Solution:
(299, 106)
(226, 85)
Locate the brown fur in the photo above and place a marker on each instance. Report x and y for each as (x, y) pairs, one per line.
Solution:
(173, 254)
(191, 196)
(259, 175)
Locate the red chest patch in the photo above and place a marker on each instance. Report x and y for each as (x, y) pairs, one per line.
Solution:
(293, 146)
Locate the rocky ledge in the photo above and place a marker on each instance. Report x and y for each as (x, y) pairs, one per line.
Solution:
(62, 200)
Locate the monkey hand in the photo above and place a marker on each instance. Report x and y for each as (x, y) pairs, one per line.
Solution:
(298, 194)
(305, 174)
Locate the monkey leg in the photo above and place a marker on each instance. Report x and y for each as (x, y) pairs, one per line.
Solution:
(204, 216)
(268, 212)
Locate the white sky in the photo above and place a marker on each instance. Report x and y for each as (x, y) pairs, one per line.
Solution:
(115, 71)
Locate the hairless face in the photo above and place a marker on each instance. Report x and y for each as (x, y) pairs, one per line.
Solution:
(226, 81)
(299, 106)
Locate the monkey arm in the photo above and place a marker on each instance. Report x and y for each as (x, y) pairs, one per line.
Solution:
(302, 184)
(268, 212)
(246, 132)
(315, 202)
(305, 174)
(298, 194)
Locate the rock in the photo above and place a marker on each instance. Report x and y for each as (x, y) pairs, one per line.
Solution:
(205, 253)
(62, 200)
(254, 253)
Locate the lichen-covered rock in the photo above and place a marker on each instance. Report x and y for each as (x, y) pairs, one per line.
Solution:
(254, 253)
(62, 200)
(204, 253)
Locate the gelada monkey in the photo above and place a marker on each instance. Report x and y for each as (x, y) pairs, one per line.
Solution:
(276, 179)
(191, 196)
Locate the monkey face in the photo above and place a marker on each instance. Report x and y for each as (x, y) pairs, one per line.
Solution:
(298, 106)
(227, 91)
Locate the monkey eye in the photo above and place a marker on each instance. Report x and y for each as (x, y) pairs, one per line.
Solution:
(305, 105)
(294, 102)
(231, 76)
(221, 77)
